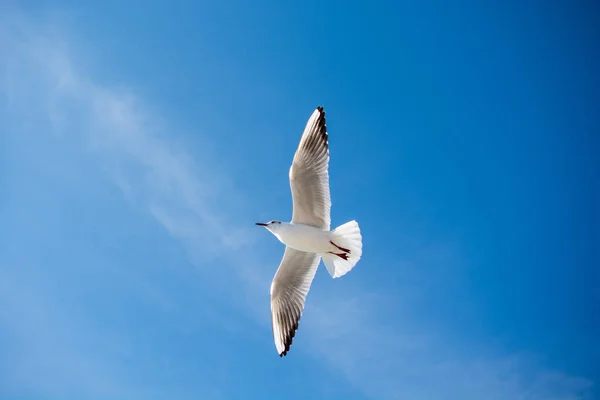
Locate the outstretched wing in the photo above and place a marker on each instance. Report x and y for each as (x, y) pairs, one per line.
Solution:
(309, 177)
(288, 293)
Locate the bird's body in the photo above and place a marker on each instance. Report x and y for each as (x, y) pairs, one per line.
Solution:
(308, 237)
(303, 237)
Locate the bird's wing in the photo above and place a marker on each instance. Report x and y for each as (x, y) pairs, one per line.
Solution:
(309, 178)
(288, 293)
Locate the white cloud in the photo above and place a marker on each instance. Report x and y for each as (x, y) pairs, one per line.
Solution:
(158, 174)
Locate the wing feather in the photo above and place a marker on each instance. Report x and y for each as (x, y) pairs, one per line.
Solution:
(289, 289)
(309, 176)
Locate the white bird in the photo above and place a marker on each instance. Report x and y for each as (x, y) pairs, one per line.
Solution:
(308, 237)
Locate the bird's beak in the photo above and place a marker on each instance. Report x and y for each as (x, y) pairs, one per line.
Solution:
(261, 224)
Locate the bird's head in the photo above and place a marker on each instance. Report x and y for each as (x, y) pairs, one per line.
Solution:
(272, 225)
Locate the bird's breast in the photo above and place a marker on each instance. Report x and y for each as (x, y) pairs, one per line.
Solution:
(304, 238)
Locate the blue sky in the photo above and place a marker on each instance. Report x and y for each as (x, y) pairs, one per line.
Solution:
(139, 145)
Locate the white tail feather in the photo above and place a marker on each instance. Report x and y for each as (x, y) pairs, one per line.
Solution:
(344, 237)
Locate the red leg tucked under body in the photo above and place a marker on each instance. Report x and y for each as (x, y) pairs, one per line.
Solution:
(341, 248)
(343, 256)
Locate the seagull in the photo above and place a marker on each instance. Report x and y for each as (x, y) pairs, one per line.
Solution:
(308, 237)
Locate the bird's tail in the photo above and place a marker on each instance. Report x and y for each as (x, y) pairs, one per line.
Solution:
(345, 249)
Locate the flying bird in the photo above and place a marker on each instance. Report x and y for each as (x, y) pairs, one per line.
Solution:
(308, 237)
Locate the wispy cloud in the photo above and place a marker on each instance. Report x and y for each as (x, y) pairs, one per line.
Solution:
(116, 125)
(414, 363)
(155, 172)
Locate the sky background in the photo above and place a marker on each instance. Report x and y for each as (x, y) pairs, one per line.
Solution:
(139, 143)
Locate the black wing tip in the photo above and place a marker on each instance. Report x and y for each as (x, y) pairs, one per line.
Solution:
(289, 339)
(321, 111)
(322, 123)
(317, 141)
